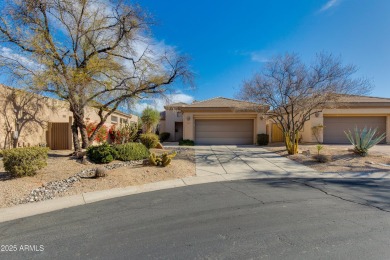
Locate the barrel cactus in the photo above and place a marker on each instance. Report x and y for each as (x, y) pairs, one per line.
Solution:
(162, 160)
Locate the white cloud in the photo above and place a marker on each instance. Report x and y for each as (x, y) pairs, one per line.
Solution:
(159, 103)
(329, 4)
(259, 57)
(9, 54)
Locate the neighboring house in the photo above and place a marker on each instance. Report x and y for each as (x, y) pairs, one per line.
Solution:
(171, 121)
(215, 121)
(55, 130)
(353, 111)
(229, 121)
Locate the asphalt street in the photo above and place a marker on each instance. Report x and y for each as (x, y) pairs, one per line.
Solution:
(246, 219)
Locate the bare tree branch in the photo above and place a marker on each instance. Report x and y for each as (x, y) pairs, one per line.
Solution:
(295, 91)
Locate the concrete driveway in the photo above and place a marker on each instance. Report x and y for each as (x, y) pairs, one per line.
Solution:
(235, 162)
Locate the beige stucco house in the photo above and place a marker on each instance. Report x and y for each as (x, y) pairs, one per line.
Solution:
(353, 111)
(229, 121)
(55, 122)
(215, 121)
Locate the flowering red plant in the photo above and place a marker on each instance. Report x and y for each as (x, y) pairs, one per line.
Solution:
(123, 134)
(102, 134)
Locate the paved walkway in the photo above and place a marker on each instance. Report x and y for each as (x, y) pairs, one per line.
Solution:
(237, 162)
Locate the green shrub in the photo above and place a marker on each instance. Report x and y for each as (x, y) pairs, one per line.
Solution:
(25, 161)
(103, 153)
(186, 142)
(262, 139)
(131, 151)
(363, 140)
(319, 148)
(164, 136)
(149, 140)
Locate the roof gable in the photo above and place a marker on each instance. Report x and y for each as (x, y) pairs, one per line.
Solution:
(222, 102)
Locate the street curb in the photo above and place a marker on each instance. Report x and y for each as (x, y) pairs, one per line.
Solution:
(32, 209)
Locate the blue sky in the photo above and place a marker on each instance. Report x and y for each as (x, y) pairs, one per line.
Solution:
(228, 40)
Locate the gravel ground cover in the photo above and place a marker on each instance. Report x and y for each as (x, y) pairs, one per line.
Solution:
(65, 176)
(342, 158)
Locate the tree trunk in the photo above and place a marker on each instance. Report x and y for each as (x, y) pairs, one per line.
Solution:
(75, 136)
(84, 135)
(79, 125)
(15, 142)
(291, 142)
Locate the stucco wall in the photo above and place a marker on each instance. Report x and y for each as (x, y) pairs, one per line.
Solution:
(171, 116)
(53, 111)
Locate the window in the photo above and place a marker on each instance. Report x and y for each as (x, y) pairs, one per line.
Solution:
(114, 120)
(124, 121)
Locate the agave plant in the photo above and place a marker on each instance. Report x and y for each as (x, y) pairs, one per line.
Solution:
(364, 139)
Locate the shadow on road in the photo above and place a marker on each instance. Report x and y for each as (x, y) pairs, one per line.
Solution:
(368, 192)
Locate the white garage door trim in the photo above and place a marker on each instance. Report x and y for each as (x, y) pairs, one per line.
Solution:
(334, 127)
(224, 131)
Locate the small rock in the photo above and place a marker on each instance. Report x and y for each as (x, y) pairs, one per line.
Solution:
(101, 172)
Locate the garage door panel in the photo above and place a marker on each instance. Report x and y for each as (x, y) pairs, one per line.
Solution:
(230, 141)
(334, 127)
(216, 134)
(224, 131)
(227, 126)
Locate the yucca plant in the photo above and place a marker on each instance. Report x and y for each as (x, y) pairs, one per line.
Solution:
(363, 140)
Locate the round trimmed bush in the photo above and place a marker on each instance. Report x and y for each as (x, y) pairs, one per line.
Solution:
(132, 151)
(103, 153)
(149, 140)
(25, 161)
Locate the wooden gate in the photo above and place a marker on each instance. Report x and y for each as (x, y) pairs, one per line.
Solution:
(59, 136)
(277, 134)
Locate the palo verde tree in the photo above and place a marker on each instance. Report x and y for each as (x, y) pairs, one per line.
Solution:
(294, 90)
(150, 118)
(89, 53)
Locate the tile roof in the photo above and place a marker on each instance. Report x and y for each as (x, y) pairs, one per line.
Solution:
(364, 99)
(179, 104)
(222, 102)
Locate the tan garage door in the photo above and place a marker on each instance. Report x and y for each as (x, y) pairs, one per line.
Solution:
(335, 127)
(224, 131)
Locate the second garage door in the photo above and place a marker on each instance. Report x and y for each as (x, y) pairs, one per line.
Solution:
(334, 127)
(224, 131)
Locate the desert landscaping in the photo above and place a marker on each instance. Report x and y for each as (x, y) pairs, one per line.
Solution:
(342, 158)
(61, 176)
